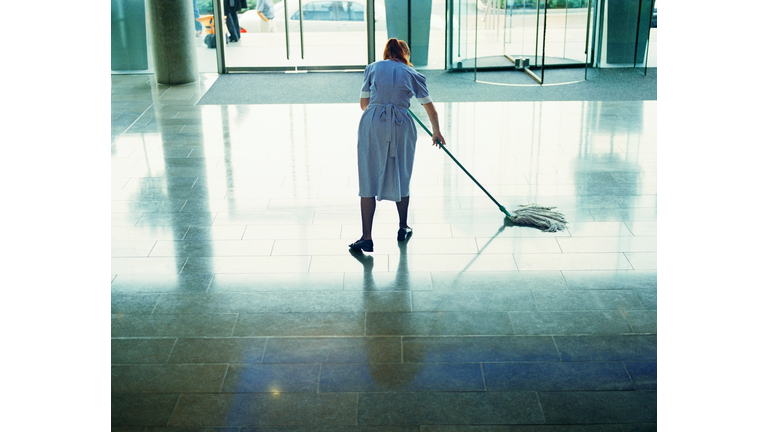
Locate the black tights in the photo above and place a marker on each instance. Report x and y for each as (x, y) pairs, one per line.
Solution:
(368, 208)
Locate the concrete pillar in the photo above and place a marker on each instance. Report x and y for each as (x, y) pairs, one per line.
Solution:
(173, 41)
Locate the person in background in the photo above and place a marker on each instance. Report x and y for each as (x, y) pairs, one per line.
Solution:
(386, 136)
(198, 25)
(266, 13)
(233, 22)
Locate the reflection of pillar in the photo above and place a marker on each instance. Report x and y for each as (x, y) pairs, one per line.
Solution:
(588, 164)
(173, 41)
(177, 189)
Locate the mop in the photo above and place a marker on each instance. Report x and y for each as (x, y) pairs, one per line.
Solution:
(546, 219)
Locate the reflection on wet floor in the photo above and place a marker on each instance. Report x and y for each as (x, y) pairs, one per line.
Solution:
(235, 300)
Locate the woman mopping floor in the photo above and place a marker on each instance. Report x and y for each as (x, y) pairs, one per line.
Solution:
(386, 137)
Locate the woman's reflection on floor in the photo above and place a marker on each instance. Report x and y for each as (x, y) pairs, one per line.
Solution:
(388, 376)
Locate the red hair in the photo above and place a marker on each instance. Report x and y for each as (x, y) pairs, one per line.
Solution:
(397, 50)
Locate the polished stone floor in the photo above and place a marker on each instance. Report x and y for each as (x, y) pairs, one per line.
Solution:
(236, 305)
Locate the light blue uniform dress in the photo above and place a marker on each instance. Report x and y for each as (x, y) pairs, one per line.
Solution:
(386, 137)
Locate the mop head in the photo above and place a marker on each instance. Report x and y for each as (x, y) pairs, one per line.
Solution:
(544, 218)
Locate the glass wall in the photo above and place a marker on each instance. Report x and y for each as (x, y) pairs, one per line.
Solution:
(443, 34)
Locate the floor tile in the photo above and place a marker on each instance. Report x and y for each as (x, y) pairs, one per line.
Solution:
(233, 232)
(148, 265)
(272, 378)
(251, 264)
(148, 233)
(218, 350)
(351, 301)
(264, 409)
(572, 300)
(167, 378)
(518, 245)
(514, 428)
(301, 324)
(159, 219)
(599, 407)
(399, 280)
(176, 283)
(607, 244)
(488, 230)
(408, 377)
(449, 408)
(217, 248)
(569, 323)
(134, 304)
(438, 323)
(349, 263)
(173, 325)
(141, 351)
(639, 279)
(586, 376)
(221, 303)
(643, 374)
(642, 260)
(142, 409)
(647, 297)
(634, 427)
(642, 321)
(333, 350)
(479, 349)
(278, 282)
(132, 248)
(488, 281)
(636, 201)
(572, 261)
(607, 347)
(640, 214)
(517, 300)
(599, 229)
(296, 232)
(463, 262)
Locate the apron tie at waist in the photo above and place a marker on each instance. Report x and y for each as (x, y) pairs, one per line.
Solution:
(390, 113)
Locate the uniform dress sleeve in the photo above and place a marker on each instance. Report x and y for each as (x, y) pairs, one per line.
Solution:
(365, 92)
(420, 88)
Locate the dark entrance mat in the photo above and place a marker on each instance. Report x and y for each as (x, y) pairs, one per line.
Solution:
(344, 87)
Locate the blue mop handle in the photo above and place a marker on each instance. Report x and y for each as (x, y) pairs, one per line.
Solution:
(501, 207)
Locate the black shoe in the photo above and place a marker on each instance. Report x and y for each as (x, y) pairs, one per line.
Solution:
(404, 233)
(365, 245)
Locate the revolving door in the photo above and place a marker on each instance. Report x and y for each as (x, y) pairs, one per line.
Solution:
(525, 35)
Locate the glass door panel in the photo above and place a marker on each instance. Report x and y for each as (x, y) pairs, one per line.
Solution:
(205, 29)
(526, 35)
(464, 17)
(308, 34)
(522, 25)
(567, 33)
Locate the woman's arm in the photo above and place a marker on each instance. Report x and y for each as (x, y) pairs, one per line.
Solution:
(436, 135)
(364, 103)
